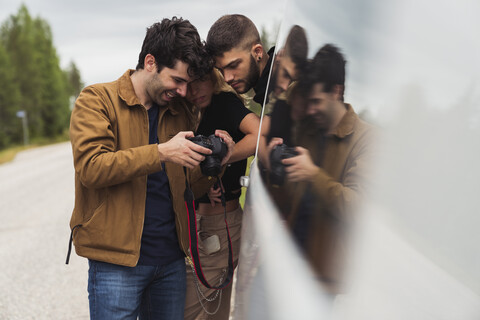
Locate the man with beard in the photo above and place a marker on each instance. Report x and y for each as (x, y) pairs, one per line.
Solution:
(234, 42)
(130, 148)
(328, 176)
(288, 66)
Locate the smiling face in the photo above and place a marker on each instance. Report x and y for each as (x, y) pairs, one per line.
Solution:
(239, 68)
(165, 85)
(200, 92)
(321, 106)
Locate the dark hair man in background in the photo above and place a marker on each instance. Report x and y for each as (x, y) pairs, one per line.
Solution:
(129, 148)
(329, 175)
(234, 42)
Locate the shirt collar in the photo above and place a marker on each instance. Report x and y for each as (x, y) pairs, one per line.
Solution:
(261, 86)
(346, 126)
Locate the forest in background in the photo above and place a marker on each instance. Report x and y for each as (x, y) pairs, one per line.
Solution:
(32, 82)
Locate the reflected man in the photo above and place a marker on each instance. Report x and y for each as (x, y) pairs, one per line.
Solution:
(329, 173)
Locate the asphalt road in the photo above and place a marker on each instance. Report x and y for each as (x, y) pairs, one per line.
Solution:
(36, 201)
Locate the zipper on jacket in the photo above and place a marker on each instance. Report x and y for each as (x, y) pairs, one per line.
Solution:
(70, 243)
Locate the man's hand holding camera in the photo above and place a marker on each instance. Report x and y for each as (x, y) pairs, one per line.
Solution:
(228, 141)
(301, 167)
(293, 163)
(182, 151)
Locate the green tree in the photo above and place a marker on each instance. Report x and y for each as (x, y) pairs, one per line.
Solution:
(54, 102)
(73, 80)
(44, 88)
(10, 125)
(18, 37)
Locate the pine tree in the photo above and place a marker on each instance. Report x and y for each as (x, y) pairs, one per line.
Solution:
(74, 80)
(18, 38)
(10, 125)
(54, 103)
(45, 89)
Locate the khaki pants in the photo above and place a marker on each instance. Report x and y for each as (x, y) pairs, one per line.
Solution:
(214, 266)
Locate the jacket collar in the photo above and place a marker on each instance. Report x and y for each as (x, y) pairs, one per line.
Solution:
(260, 87)
(347, 124)
(127, 93)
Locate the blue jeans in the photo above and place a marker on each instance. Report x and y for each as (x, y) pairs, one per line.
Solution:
(118, 292)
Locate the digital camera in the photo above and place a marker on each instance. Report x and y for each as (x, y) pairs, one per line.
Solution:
(277, 168)
(211, 166)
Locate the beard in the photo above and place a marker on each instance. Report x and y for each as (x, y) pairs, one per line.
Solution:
(158, 92)
(252, 76)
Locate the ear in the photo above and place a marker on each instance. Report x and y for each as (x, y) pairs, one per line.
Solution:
(257, 52)
(337, 92)
(149, 63)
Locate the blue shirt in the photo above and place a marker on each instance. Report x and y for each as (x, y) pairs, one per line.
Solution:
(159, 238)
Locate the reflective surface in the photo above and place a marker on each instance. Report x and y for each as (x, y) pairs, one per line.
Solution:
(392, 221)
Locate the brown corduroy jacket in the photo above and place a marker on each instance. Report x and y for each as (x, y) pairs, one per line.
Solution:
(344, 159)
(112, 158)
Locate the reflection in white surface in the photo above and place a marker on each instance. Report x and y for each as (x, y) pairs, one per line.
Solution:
(273, 282)
(413, 66)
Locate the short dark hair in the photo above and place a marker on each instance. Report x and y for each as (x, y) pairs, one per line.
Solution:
(296, 46)
(327, 67)
(172, 40)
(231, 31)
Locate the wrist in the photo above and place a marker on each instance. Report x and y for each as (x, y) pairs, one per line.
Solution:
(161, 152)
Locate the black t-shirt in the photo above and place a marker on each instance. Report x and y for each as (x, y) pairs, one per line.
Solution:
(226, 112)
(261, 86)
(281, 123)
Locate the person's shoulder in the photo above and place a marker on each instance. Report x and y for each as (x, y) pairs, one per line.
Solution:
(228, 99)
(102, 87)
(227, 95)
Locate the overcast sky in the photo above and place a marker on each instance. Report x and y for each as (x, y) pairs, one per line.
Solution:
(104, 38)
(387, 45)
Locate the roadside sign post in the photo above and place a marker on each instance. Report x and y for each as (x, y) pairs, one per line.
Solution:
(23, 115)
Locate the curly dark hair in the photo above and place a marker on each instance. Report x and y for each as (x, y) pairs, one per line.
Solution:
(172, 40)
(231, 31)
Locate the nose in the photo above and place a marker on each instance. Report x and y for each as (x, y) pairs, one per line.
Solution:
(229, 76)
(182, 89)
(191, 89)
(310, 110)
(283, 84)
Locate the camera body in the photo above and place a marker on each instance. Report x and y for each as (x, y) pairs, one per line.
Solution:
(211, 166)
(277, 168)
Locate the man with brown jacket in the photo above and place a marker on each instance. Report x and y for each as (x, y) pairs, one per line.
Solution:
(329, 175)
(129, 147)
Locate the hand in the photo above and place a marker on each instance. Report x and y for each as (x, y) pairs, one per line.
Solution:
(182, 151)
(228, 141)
(214, 194)
(301, 167)
(274, 142)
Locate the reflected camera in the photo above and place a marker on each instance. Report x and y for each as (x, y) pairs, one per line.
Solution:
(277, 168)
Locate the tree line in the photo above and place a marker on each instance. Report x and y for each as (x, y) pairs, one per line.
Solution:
(32, 80)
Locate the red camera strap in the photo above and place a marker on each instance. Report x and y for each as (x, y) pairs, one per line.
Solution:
(193, 238)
